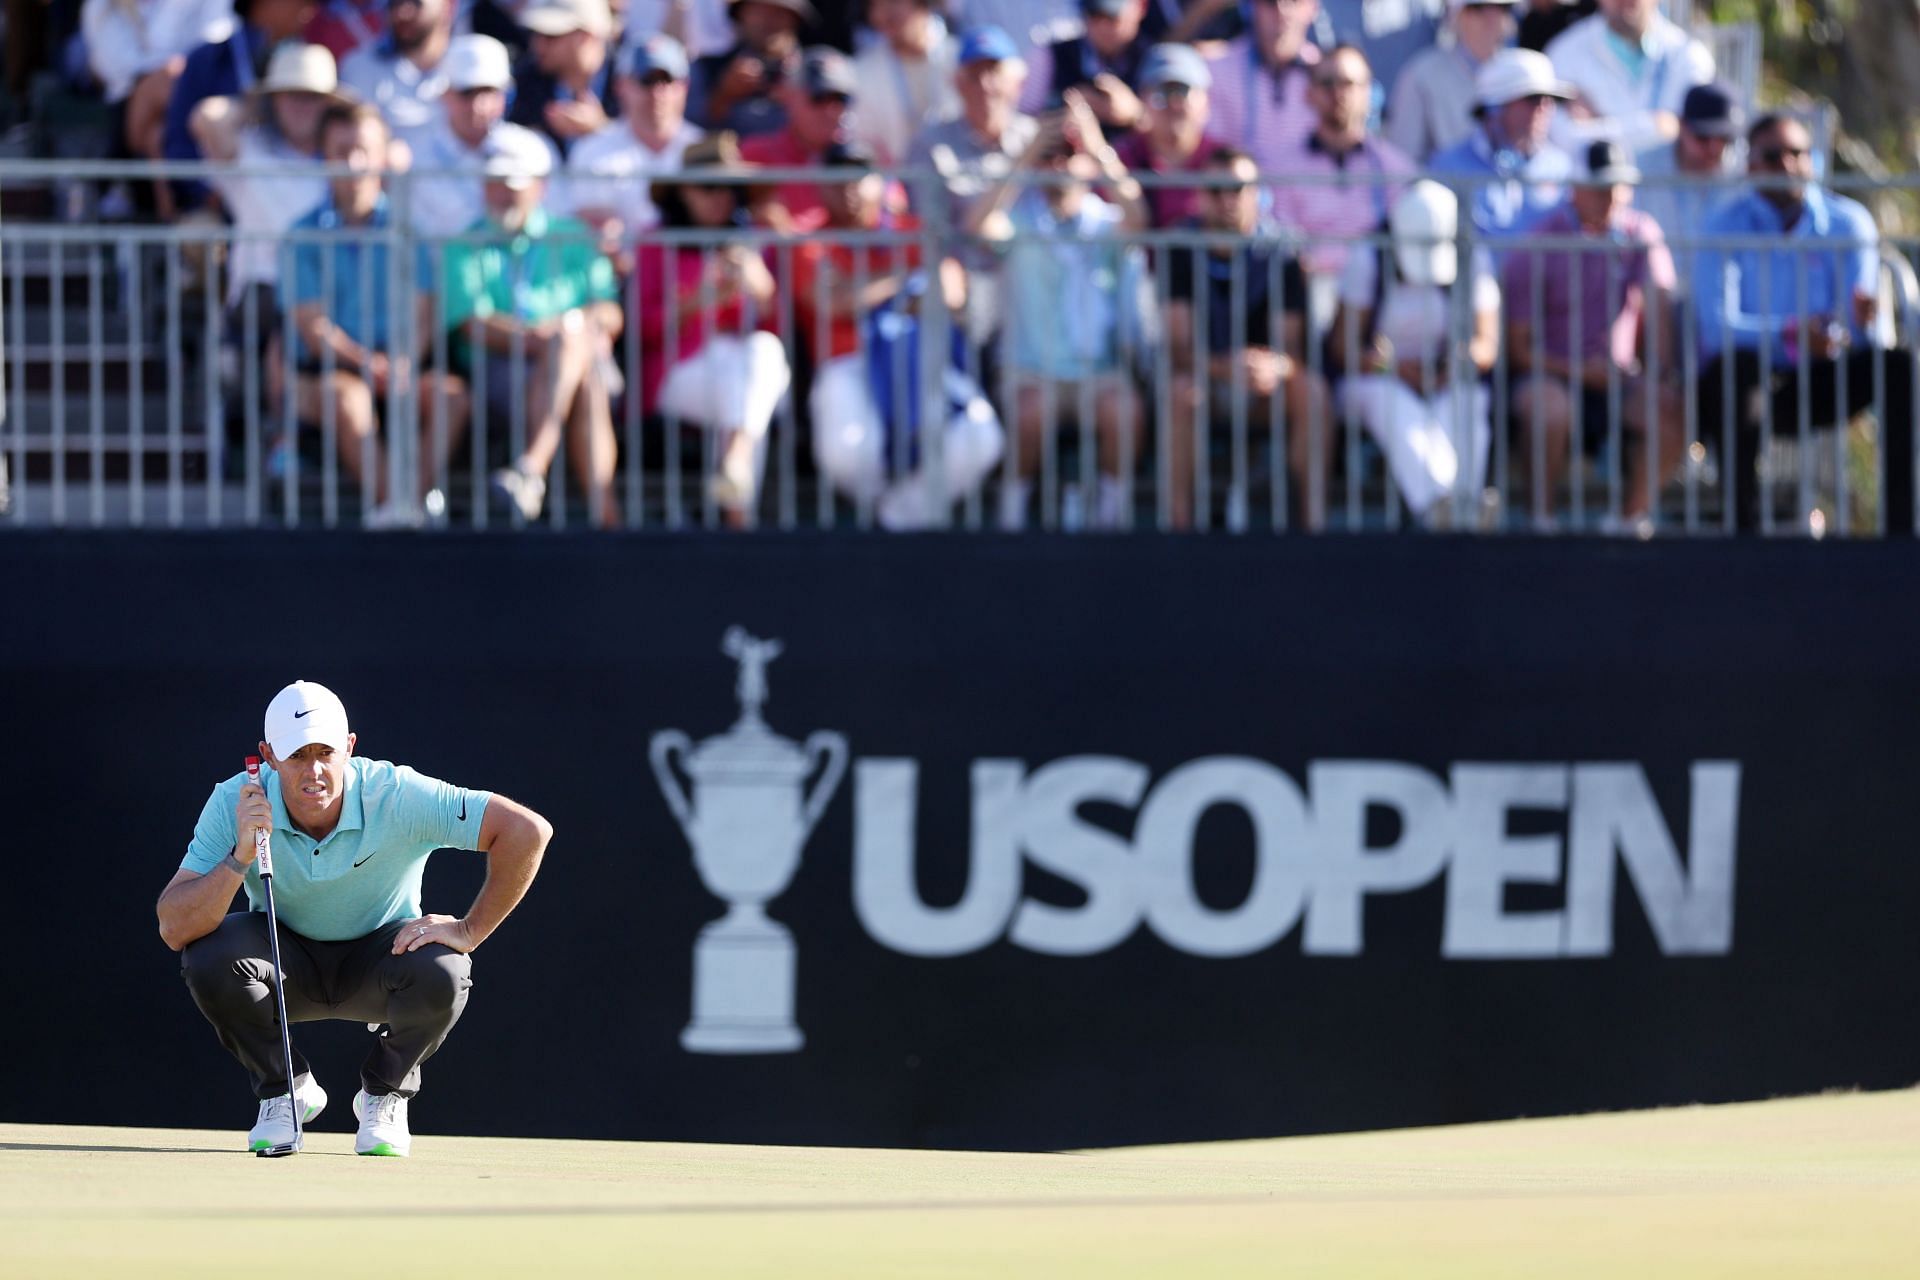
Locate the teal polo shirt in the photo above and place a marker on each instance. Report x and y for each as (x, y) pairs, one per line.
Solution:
(367, 872)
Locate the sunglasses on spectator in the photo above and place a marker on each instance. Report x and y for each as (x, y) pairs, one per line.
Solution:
(656, 80)
(1163, 97)
(1231, 191)
(831, 100)
(1339, 82)
(1774, 155)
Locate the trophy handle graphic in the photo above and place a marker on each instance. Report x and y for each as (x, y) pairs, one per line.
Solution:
(660, 752)
(833, 749)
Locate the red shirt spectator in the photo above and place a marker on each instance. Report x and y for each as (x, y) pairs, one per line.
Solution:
(817, 104)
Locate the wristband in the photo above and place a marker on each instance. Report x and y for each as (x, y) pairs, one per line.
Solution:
(234, 865)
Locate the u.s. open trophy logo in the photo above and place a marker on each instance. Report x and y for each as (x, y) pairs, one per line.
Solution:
(748, 817)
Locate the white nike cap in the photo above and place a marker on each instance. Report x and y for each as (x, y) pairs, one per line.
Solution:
(304, 713)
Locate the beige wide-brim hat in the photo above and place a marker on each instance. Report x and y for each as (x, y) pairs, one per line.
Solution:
(296, 67)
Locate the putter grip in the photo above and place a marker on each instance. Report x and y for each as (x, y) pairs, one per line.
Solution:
(262, 843)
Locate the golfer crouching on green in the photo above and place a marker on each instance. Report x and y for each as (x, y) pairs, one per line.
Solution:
(350, 839)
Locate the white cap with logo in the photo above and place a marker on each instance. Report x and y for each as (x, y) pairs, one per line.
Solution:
(302, 714)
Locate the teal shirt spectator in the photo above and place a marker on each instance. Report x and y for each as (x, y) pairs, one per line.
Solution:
(1747, 298)
(367, 872)
(358, 285)
(551, 267)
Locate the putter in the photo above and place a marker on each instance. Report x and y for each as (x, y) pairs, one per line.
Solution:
(263, 854)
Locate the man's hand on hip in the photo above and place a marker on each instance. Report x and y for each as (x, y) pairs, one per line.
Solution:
(449, 931)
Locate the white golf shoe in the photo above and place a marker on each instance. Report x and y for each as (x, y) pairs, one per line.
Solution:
(383, 1125)
(275, 1125)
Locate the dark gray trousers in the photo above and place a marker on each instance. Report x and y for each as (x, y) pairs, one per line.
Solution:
(419, 995)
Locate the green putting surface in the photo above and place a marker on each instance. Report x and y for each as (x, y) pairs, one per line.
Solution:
(1827, 1185)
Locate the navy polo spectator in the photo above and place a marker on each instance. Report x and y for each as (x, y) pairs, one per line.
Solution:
(563, 87)
(1103, 62)
(225, 70)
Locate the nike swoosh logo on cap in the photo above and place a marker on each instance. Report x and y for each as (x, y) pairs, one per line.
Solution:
(301, 715)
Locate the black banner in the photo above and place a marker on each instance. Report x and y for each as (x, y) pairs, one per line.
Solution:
(1029, 843)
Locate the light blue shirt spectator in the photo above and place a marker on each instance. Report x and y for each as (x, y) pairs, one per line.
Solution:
(1748, 298)
(1061, 278)
(1510, 190)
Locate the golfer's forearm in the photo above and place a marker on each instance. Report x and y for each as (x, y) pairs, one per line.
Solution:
(194, 908)
(510, 873)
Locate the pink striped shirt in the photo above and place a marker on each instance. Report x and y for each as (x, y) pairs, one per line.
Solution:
(1266, 116)
(1342, 196)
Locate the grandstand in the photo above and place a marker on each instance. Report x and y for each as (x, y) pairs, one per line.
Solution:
(152, 352)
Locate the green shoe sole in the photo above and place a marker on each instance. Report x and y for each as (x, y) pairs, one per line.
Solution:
(382, 1149)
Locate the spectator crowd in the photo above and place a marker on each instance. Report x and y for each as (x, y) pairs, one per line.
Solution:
(582, 168)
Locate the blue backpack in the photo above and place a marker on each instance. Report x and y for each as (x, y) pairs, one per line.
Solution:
(893, 369)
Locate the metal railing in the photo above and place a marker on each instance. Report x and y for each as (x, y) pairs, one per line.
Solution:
(140, 395)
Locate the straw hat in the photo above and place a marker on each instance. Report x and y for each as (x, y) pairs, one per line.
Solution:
(297, 67)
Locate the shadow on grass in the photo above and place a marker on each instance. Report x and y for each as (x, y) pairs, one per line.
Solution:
(104, 1147)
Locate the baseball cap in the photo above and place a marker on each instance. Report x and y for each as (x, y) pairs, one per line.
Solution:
(1607, 164)
(558, 17)
(1711, 111)
(477, 62)
(1513, 74)
(515, 156)
(825, 70)
(1175, 64)
(304, 713)
(660, 53)
(988, 44)
(1424, 221)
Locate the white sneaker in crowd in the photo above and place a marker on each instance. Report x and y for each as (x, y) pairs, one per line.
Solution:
(275, 1124)
(383, 1124)
(527, 492)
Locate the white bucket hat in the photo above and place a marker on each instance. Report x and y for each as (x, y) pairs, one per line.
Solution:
(1425, 221)
(304, 713)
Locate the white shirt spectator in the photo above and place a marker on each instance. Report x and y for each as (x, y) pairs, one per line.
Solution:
(613, 170)
(899, 98)
(407, 96)
(264, 207)
(128, 38)
(1625, 88)
(446, 203)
